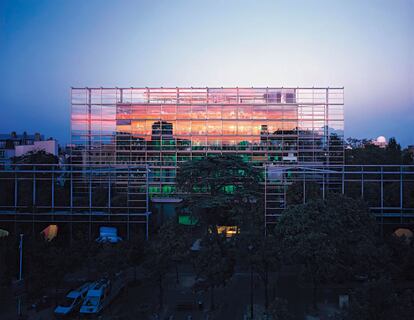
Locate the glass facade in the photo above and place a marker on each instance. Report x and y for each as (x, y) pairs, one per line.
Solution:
(163, 127)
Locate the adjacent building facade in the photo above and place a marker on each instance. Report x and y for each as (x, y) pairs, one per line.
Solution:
(15, 145)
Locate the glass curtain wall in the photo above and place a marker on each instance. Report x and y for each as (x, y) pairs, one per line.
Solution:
(166, 126)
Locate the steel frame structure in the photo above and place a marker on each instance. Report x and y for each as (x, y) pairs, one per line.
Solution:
(163, 127)
(39, 194)
(387, 189)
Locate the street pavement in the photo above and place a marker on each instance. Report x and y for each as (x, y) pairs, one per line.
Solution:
(231, 301)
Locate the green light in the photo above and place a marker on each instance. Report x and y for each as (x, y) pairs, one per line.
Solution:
(187, 220)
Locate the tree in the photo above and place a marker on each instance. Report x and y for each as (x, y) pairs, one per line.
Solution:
(39, 157)
(219, 190)
(401, 251)
(266, 257)
(111, 258)
(365, 152)
(379, 300)
(160, 253)
(294, 194)
(35, 160)
(262, 252)
(46, 264)
(179, 242)
(333, 240)
(8, 259)
(215, 262)
(279, 310)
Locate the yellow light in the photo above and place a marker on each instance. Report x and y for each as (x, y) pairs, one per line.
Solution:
(229, 231)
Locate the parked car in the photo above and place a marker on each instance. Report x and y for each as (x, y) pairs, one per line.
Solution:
(104, 291)
(72, 302)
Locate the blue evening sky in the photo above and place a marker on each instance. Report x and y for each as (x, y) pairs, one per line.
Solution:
(366, 46)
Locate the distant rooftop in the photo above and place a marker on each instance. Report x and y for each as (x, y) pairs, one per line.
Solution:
(24, 135)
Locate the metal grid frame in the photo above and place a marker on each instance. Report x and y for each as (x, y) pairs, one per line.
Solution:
(303, 125)
(383, 187)
(73, 194)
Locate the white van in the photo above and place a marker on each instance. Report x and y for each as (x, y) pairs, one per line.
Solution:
(96, 298)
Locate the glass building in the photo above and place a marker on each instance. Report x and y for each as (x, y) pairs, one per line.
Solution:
(163, 127)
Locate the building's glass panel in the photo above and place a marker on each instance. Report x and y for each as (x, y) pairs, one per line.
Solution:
(229, 127)
(229, 112)
(198, 112)
(214, 112)
(214, 127)
(167, 126)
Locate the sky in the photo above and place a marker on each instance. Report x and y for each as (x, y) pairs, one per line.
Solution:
(47, 47)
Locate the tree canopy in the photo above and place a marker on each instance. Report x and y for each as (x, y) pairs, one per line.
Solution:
(219, 190)
(365, 152)
(215, 262)
(332, 240)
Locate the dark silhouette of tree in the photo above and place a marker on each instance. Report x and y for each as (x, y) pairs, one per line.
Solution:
(401, 251)
(294, 193)
(8, 259)
(332, 240)
(367, 153)
(215, 262)
(279, 310)
(40, 157)
(379, 300)
(160, 254)
(46, 264)
(219, 190)
(262, 252)
(44, 163)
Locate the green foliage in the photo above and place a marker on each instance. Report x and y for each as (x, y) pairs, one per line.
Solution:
(364, 152)
(294, 194)
(219, 190)
(332, 240)
(36, 157)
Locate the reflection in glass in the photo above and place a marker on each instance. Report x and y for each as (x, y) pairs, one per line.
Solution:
(135, 125)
